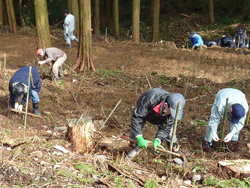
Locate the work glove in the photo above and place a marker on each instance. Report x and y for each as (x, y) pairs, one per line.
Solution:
(215, 137)
(228, 137)
(16, 106)
(142, 143)
(20, 107)
(41, 62)
(157, 143)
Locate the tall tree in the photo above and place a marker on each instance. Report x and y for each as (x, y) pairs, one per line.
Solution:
(156, 16)
(115, 16)
(1, 12)
(42, 24)
(75, 12)
(11, 16)
(211, 11)
(85, 45)
(21, 16)
(136, 20)
(97, 18)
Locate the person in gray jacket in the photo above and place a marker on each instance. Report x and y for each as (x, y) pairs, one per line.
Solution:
(241, 38)
(236, 115)
(158, 107)
(55, 55)
(69, 27)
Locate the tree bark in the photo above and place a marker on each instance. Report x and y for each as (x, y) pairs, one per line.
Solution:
(75, 12)
(1, 13)
(116, 27)
(211, 11)
(136, 21)
(42, 24)
(156, 15)
(109, 12)
(21, 16)
(97, 18)
(11, 16)
(85, 44)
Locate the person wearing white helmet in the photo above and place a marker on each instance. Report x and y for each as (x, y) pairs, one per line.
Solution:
(69, 27)
(55, 55)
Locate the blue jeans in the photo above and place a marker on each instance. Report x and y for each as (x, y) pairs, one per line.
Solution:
(34, 96)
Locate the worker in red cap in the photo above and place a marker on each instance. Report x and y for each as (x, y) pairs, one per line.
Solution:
(57, 57)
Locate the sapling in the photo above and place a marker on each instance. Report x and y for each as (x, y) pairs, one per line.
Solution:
(222, 144)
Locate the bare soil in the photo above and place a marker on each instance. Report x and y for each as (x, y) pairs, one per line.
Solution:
(124, 71)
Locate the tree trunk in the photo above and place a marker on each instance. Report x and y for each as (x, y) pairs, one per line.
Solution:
(136, 21)
(211, 11)
(75, 12)
(156, 14)
(69, 5)
(11, 16)
(42, 24)
(21, 16)
(109, 12)
(97, 18)
(1, 13)
(116, 27)
(85, 45)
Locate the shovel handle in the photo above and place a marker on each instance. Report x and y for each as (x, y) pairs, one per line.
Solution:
(161, 150)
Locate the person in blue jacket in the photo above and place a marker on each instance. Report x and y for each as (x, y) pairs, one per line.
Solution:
(242, 39)
(18, 87)
(236, 114)
(195, 40)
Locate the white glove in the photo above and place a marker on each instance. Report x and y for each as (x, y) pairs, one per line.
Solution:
(228, 137)
(215, 137)
(16, 106)
(41, 62)
(20, 107)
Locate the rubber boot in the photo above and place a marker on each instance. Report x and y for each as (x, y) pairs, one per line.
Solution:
(76, 40)
(69, 46)
(35, 107)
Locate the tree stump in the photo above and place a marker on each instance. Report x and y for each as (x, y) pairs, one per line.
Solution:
(236, 168)
(80, 134)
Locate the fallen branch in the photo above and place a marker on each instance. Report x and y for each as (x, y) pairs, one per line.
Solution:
(30, 114)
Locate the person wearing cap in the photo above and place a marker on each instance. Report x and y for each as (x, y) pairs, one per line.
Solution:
(18, 87)
(195, 40)
(69, 27)
(55, 55)
(236, 115)
(242, 39)
(157, 106)
(211, 43)
(226, 41)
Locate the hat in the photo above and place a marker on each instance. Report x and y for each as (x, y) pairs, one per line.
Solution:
(223, 36)
(237, 113)
(240, 31)
(192, 34)
(39, 51)
(172, 101)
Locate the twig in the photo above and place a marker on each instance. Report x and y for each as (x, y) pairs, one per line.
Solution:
(110, 114)
(148, 81)
(222, 144)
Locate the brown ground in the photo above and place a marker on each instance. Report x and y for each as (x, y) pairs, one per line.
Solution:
(124, 71)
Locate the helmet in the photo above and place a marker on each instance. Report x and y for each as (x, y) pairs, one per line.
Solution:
(39, 51)
(18, 89)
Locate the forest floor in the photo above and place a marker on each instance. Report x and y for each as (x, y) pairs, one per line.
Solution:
(123, 72)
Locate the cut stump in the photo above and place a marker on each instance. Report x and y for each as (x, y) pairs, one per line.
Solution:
(236, 168)
(80, 134)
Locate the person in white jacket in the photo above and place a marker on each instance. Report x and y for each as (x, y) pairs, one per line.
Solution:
(236, 115)
(69, 27)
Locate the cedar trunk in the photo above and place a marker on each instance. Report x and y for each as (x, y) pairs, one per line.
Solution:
(116, 27)
(11, 16)
(211, 11)
(85, 45)
(42, 24)
(1, 12)
(136, 21)
(97, 18)
(21, 16)
(156, 14)
(75, 12)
